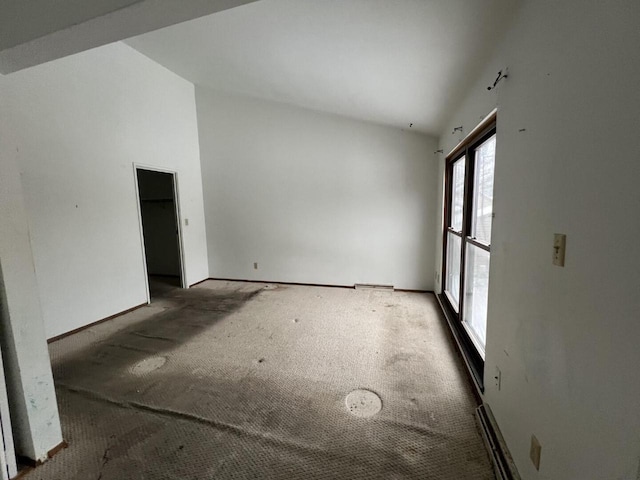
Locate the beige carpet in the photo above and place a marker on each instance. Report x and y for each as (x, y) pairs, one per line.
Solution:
(233, 380)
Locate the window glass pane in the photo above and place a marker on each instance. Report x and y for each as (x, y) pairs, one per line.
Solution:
(476, 292)
(452, 284)
(483, 191)
(457, 194)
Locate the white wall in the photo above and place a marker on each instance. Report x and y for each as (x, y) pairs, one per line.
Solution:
(81, 123)
(566, 339)
(313, 197)
(34, 412)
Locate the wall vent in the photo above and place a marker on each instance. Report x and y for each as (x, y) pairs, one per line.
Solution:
(372, 286)
(503, 464)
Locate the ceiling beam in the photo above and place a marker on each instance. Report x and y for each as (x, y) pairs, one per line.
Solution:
(39, 31)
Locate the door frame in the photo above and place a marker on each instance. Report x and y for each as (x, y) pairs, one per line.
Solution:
(8, 462)
(176, 204)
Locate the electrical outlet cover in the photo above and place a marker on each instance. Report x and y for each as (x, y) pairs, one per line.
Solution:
(535, 451)
(559, 249)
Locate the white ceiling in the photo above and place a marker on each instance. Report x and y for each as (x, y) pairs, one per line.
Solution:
(393, 62)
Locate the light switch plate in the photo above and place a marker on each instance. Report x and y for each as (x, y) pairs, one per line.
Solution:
(559, 248)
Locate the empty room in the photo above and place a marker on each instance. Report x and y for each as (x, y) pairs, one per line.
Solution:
(319, 239)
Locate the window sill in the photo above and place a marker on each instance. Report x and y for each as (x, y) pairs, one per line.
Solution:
(472, 360)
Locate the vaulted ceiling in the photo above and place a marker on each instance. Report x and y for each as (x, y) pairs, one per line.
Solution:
(396, 62)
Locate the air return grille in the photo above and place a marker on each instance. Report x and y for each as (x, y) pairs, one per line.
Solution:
(372, 286)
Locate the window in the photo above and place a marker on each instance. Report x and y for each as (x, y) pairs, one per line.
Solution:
(454, 234)
(467, 239)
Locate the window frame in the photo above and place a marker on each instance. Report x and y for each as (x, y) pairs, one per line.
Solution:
(466, 149)
(448, 229)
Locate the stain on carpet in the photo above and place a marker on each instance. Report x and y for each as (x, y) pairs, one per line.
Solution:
(245, 391)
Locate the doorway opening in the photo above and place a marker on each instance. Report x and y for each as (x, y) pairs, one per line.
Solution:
(160, 228)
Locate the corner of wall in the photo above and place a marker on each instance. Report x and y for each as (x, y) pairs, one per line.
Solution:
(34, 411)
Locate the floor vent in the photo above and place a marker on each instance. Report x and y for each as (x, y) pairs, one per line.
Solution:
(372, 286)
(502, 462)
